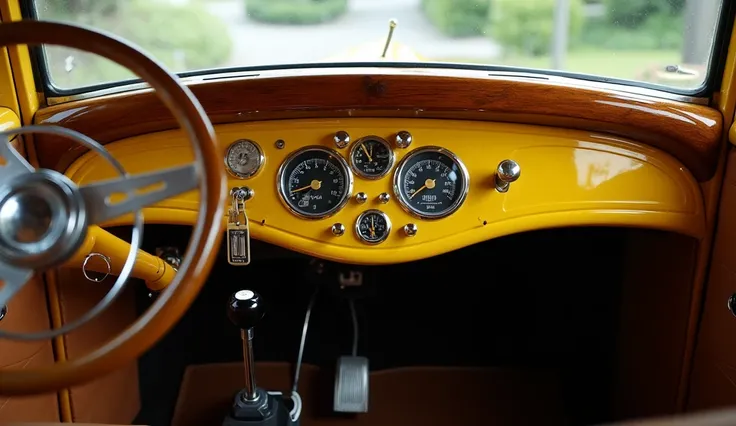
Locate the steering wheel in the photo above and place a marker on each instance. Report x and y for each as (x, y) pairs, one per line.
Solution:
(44, 216)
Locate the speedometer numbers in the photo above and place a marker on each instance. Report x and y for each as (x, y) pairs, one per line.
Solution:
(431, 183)
(315, 182)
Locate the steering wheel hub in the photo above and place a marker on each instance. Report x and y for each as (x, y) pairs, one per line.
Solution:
(42, 219)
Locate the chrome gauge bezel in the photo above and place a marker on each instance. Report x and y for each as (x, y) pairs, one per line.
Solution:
(356, 146)
(342, 164)
(398, 173)
(261, 159)
(360, 218)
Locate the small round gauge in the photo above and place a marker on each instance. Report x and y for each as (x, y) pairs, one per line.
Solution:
(431, 182)
(373, 226)
(315, 182)
(371, 157)
(244, 158)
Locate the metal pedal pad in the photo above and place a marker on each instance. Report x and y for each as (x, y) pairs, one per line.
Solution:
(351, 385)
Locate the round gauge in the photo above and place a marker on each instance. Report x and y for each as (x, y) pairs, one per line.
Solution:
(315, 182)
(371, 157)
(431, 182)
(373, 226)
(244, 158)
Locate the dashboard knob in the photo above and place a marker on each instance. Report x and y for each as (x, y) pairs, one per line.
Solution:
(361, 197)
(342, 139)
(383, 197)
(403, 139)
(507, 172)
(245, 309)
(338, 229)
(410, 229)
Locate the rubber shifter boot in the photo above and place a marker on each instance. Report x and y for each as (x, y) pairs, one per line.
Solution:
(351, 385)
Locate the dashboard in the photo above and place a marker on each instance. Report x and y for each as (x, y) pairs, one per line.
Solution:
(380, 190)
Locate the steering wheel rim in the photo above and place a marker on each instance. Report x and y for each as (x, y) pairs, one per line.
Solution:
(203, 246)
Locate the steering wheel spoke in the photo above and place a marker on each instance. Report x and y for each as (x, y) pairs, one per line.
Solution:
(12, 279)
(11, 162)
(112, 198)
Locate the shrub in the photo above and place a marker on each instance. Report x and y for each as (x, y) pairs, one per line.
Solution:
(527, 26)
(634, 13)
(457, 18)
(295, 12)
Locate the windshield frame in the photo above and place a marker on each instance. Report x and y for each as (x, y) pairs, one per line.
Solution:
(711, 83)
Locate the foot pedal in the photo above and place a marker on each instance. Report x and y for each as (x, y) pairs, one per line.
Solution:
(351, 385)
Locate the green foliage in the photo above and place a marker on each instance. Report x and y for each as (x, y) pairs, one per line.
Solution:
(458, 18)
(295, 12)
(634, 13)
(183, 37)
(638, 25)
(526, 27)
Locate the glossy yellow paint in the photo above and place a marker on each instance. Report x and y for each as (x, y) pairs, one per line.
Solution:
(8, 119)
(153, 270)
(20, 60)
(569, 178)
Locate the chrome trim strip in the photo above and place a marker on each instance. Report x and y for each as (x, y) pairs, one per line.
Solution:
(376, 71)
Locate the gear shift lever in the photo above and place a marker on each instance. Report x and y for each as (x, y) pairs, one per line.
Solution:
(245, 309)
(253, 406)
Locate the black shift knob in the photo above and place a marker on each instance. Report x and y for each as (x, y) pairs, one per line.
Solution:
(245, 308)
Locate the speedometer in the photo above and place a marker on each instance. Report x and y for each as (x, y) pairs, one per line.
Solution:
(431, 182)
(315, 182)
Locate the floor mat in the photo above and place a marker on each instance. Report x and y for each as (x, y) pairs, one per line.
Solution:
(424, 396)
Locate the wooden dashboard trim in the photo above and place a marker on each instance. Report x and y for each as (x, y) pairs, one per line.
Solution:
(691, 133)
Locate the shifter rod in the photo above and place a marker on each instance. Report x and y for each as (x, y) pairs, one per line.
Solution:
(245, 309)
(250, 373)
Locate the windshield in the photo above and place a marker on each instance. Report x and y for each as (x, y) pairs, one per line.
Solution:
(662, 42)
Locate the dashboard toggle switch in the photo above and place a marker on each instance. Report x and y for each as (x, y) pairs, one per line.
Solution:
(338, 229)
(507, 172)
(403, 139)
(342, 139)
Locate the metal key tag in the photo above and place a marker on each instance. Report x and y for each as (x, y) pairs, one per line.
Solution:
(238, 235)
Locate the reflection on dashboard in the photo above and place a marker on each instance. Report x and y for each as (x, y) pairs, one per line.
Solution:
(315, 182)
(431, 182)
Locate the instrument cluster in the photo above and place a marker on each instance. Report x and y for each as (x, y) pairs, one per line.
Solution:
(316, 181)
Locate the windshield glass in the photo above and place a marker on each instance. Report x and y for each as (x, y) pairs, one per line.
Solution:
(663, 42)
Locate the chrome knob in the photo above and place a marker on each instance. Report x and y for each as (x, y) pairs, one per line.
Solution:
(403, 139)
(732, 304)
(3, 312)
(410, 229)
(338, 229)
(383, 197)
(507, 172)
(361, 197)
(342, 139)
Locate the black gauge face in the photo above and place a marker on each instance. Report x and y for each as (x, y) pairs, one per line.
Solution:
(315, 182)
(431, 182)
(371, 157)
(373, 226)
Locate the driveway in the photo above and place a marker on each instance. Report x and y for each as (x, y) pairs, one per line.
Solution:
(366, 21)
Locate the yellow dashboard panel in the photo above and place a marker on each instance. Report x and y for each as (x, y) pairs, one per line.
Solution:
(568, 178)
